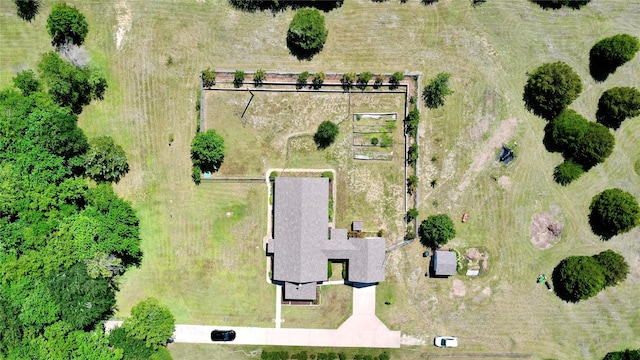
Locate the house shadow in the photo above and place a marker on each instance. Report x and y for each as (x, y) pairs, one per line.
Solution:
(358, 285)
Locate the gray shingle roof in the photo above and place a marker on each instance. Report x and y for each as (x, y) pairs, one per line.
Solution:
(304, 245)
(444, 262)
(299, 291)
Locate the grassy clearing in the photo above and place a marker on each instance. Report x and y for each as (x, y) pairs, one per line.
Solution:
(487, 49)
(334, 309)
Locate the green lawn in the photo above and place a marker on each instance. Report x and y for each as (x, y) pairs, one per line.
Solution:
(202, 263)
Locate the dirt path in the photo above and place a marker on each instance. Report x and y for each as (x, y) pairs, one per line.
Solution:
(504, 132)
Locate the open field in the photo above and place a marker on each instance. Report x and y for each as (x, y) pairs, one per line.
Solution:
(202, 263)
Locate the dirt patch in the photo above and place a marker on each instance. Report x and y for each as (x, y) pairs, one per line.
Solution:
(458, 289)
(412, 340)
(485, 293)
(477, 259)
(544, 229)
(505, 182)
(124, 18)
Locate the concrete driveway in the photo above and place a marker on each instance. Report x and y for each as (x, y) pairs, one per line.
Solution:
(361, 329)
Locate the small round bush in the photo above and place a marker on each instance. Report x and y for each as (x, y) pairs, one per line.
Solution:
(567, 172)
(551, 88)
(610, 53)
(613, 212)
(578, 278)
(307, 33)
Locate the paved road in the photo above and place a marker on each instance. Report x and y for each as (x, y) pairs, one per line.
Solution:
(362, 329)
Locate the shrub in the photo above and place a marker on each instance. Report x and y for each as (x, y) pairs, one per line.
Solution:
(328, 175)
(436, 230)
(586, 142)
(412, 213)
(550, 89)
(395, 79)
(273, 175)
(196, 174)
(412, 122)
(207, 151)
(238, 78)
(412, 184)
(302, 79)
(326, 134)
(274, 355)
(363, 79)
(567, 172)
(610, 53)
(259, 77)
(436, 90)
(578, 278)
(378, 81)
(614, 266)
(613, 212)
(329, 270)
(412, 155)
(208, 78)
(347, 80)
(66, 24)
(410, 234)
(374, 141)
(386, 141)
(617, 104)
(307, 33)
(318, 80)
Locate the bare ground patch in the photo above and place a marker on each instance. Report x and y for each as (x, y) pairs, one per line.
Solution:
(544, 229)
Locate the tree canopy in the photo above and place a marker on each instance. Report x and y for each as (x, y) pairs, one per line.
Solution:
(307, 33)
(585, 142)
(150, 322)
(105, 161)
(578, 278)
(610, 53)
(436, 230)
(27, 9)
(27, 82)
(207, 151)
(617, 104)
(326, 134)
(436, 90)
(66, 24)
(69, 85)
(614, 266)
(627, 354)
(53, 228)
(612, 212)
(551, 88)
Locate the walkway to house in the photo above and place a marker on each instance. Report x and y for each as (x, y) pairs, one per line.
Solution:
(362, 329)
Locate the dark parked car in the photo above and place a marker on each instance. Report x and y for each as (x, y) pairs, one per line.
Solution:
(223, 335)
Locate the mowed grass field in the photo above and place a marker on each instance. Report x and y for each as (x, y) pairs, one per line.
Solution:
(200, 242)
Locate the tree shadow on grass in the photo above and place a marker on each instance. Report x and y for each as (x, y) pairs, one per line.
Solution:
(282, 5)
(300, 53)
(557, 4)
(598, 228)
(599, 69)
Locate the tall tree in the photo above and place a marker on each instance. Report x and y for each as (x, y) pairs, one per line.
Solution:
(105, 161)
(66, 24)
(207, 151)
(578, 278)
(307, 33)
(151, 322)
(617, 104)
(27, 82)
(436, 230)
(436, 90)
(612, 212)
(326, 134)
(551, 88)
(610, 53)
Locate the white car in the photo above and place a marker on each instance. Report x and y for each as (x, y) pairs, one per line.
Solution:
(445, 341)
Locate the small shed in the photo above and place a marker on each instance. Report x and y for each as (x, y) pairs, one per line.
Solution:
(357, 225)
(444, 263)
